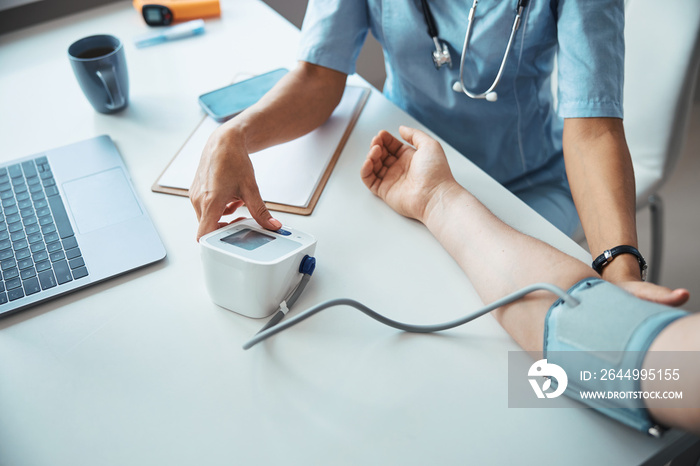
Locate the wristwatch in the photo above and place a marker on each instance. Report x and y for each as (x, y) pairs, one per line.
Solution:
(608, 255)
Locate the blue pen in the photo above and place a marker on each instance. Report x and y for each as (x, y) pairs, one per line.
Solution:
(179, 31)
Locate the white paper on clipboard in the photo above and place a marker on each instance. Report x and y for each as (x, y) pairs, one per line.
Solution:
(286, 174)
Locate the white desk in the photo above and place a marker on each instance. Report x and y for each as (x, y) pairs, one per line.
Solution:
(145, 370)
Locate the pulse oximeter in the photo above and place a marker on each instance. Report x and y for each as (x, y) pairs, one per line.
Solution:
(250, 270)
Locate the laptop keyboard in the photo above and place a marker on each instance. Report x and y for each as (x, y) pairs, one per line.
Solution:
(38, 248)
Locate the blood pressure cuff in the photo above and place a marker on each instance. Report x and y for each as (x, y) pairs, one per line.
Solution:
(609, 330)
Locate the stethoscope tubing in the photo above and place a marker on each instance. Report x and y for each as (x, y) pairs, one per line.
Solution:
(489, 93)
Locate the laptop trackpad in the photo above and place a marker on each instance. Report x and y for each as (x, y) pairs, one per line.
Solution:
(101, 200)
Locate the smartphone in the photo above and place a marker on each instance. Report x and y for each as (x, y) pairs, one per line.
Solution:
(227, 102)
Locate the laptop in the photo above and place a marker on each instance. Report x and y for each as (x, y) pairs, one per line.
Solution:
(70, 218)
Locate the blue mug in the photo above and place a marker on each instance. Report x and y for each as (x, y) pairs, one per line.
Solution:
(99, 65)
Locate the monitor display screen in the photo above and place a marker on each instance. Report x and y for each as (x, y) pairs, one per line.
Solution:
(247, 239)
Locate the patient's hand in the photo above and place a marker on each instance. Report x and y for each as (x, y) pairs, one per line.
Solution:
(407, 178)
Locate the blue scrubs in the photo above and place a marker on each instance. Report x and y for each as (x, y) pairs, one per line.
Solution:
(518, 139)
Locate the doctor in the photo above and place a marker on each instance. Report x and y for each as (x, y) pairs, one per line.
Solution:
(567, 161)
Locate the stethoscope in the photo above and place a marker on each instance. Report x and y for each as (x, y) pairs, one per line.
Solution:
(441, 55)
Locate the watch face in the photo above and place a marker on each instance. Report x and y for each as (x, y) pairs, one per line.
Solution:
(157, 15)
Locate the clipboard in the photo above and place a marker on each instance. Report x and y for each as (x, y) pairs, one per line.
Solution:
(302, 166)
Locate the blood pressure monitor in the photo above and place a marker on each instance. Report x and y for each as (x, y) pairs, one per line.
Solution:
(250, 270)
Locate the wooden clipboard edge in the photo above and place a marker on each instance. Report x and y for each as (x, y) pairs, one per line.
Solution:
(157, 188)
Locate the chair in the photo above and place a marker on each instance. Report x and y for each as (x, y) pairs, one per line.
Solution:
(662, 41)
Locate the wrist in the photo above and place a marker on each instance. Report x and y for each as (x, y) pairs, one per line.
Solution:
(233, 134)
(623, 268)
(440, 199)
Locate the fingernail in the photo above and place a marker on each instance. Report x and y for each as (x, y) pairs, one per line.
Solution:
(276, 223)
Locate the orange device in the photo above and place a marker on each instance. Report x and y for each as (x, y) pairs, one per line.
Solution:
(165, 12)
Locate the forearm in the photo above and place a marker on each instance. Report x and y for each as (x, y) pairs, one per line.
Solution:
(299, 103)
(499, 260)
(601, 175)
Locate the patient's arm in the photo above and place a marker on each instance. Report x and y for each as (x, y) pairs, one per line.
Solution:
(417, 183)
(681, 335)
(497, 259)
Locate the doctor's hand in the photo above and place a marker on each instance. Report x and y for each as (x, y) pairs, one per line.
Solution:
(224, 182)
(407, 176)
(655, 293)
(624, 272)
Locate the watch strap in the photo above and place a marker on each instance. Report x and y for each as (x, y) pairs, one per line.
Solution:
(608, 255)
